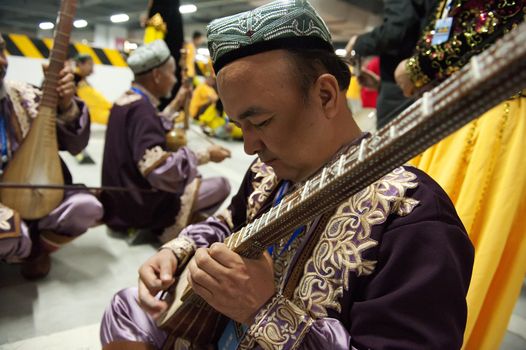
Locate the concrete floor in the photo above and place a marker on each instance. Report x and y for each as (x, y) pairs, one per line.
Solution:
(64, 310)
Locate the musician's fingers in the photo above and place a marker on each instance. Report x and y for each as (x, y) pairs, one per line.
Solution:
(167, 269)
(226, 257)
(66, 85)
(149, 276)
(227, 152)
(203, 261)
(200, 289)
(149, 302)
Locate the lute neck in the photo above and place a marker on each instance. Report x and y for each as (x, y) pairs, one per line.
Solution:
(59, 53)
(490, 77)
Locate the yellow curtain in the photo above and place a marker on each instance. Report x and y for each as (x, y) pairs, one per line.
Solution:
(152, 34)
(483, 169)
(202, 95)
(98, 106)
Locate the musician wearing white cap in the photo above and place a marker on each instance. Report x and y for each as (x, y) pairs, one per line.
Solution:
(387, 268)
(136, 154)
(32, 242)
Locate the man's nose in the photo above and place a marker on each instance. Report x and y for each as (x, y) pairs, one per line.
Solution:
(251, 142)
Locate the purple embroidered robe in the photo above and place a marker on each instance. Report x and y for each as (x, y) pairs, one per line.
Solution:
(135, 156)
(391, 269)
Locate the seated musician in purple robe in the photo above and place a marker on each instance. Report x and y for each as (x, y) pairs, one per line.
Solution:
(387, 268)
(136, 155)
(32, 242)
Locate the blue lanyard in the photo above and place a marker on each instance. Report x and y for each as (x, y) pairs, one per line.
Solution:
(138, 91)
(297, 232)
(3, 139)
(234, 332)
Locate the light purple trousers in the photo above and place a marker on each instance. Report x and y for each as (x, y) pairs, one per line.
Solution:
(212, 193)
(124, 319)
(73, 217)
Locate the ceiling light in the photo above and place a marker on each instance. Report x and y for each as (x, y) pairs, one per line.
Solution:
(187, 8)
(80, 23)
(341, 52)
(119, 18)
(46, 25)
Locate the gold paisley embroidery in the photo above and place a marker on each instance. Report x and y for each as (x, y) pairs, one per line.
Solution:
(347, 236)
(282, 260)
(279, 325)
(263, 183)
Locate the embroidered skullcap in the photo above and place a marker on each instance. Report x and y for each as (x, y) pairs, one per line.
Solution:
(148, 57)
(277, 25)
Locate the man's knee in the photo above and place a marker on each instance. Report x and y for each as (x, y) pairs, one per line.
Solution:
(223, 188)
(14, 249)
(88, 207)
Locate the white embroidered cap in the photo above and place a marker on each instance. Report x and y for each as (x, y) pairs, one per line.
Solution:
(148, 57)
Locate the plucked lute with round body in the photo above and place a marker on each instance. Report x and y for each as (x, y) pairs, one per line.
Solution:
(490, 77)
(36, 161)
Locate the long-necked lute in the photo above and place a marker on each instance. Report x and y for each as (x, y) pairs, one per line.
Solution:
(37, 161)
(494, 75)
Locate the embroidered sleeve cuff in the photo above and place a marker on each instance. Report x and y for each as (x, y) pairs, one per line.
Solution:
(203, 157)
(183, 248)
(418, 77)
(280, 325)
(151, 159)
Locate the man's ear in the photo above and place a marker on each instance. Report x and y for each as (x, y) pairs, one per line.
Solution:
(156, 75)
(328, 92)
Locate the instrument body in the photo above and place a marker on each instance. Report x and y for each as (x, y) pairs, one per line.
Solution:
(489, 78)
(37, 161)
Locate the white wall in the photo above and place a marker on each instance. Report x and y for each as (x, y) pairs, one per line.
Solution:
(110, 81)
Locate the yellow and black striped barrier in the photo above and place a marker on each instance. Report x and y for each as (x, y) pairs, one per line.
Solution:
(23, 45)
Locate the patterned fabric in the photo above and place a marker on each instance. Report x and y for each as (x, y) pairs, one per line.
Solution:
(347, 237)
(9, 223)
(148, 57)
(183, 247)
(151, 159)
(279, 24)
(337, 257)
(264, 183)
(476, 24)
(279, 325)
(26, 99)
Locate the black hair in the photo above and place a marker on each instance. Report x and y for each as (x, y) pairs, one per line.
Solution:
(196, 35)
(308, 64)
(83, 58)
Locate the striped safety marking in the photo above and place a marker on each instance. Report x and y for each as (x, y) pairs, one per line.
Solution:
(23, 45)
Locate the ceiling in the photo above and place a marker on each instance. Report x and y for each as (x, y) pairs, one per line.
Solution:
(344, 17)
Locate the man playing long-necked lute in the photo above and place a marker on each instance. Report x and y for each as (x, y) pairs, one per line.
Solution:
(388, 268)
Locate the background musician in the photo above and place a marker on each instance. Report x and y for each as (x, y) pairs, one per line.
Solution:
(32, 242)
(371, 274)
(135, 153)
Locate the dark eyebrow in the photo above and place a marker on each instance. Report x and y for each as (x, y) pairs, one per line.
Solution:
(252, 111)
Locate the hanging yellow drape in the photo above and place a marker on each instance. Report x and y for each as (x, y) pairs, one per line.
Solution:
(483, 169)
(98, 106)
